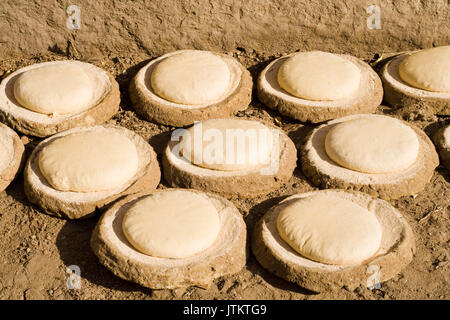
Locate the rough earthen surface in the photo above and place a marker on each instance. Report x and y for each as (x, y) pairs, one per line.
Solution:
(121, 37)
(263, 27)
(37, 248)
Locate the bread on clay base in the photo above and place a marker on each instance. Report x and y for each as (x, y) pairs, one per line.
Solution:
(368, 97)
(325, 173)
(395, 253)
(43, 125)
(156, 109)
(401, 95)
(74, 205)
(178, 172)
(227, 255)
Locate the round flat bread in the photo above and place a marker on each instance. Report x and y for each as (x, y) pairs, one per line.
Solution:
(63, 95)
(319, 76)
(73, 204)
(325, 172)
(427, 69)
(88, 161)
(228, 144)
(372, 145)
(345, 223)
(56, 89)
(153, 107)
(191, 77)
(365, 99)
(329, 229)
(234, 179)
(173, 224)
(224, 256)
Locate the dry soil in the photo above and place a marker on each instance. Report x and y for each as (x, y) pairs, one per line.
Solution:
(36, 248)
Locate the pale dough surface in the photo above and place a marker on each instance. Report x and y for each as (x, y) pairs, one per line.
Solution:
(56, 89)
(372, 145)
(228, 144)
(329, 229)
(173, 224)
(191, 77)
(319, 76)
(89, 161)
(427, 69)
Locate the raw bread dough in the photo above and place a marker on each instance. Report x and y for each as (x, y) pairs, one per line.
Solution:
(173, 224)
(56, 89)
(330, 229)
(228, 144)
(372, 145)
(89, 161)
(319, 76)
(191, 77)
(427, 69)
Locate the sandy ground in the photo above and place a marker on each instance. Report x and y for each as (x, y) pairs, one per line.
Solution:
(36, 248)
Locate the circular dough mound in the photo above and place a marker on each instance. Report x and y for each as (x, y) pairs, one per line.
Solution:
(228, 144)
(395, 252)
(319, 76)
(56, 89)
(427, 69)
(191, 77)
(88, 161)
(179, 172)
(226, 255)
(174, 224)
(372, 145)
(329, 229)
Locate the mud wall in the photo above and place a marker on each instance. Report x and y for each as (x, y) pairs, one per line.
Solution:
(150, 28)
